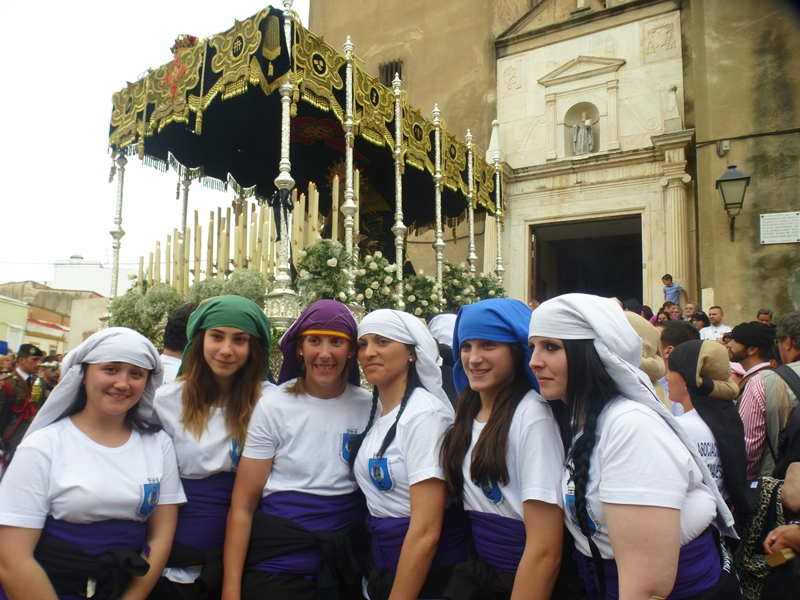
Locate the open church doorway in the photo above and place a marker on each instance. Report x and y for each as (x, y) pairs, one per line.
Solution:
(602, 257)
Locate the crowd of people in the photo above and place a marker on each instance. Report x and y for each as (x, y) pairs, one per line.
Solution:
(583, 449)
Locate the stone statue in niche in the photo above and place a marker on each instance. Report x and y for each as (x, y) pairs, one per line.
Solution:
(582, 136)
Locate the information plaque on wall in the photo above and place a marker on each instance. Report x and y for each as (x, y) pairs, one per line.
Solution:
(780, 228)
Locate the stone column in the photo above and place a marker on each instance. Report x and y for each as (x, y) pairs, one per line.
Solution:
(672, 147)
(613, 129)
(551, 127)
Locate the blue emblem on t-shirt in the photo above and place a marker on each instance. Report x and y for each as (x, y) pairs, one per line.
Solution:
(573, 512)
(235, 453)
(492, 491)
(347, 444)
(149, 493)
(380, 474)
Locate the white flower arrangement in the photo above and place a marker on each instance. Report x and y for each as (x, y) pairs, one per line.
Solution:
(322, 271)
(376, 282)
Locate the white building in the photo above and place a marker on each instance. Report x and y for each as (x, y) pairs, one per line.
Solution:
(78, 274)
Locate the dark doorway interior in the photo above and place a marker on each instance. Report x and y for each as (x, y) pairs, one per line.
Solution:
(602, 257)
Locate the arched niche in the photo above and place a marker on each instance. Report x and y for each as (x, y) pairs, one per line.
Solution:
(577, 113)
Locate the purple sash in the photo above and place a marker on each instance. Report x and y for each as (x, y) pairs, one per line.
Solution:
(202, 520)
(499, 541)
(699, 570)
(94, 539)
(388, 535)
(315, 513)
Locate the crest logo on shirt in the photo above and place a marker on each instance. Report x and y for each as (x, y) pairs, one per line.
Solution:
(347, 445)
(381, 474)
(149, 493)
(235, 454)
(571, 504)
(492, 491)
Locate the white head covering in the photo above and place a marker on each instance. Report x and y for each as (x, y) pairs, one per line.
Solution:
(442, 327)
(406, 329)
(115, 344)
(585, 317)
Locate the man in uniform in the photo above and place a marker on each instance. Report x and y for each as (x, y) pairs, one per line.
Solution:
(17, 407)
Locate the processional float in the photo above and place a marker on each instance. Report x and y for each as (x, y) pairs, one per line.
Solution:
(267, 92)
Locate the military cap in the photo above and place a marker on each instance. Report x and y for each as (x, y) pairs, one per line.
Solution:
(28, 350)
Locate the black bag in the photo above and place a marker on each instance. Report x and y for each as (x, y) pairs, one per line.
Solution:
(783, 582)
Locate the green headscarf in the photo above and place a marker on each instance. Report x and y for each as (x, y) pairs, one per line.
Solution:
(230, 311)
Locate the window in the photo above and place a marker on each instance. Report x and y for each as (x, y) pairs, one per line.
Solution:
(387, 71)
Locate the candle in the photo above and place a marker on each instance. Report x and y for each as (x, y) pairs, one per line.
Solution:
(198, 251)
(220, 237)
(335, 209)
(150, 272)
(252, 259)
(140, 281)
(187, 252)
(158, 262)
(210, 246)
(272, 244)
(168, 259)
(357, 199)
(176, 252)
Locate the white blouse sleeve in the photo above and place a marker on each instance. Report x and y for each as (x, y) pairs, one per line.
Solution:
(25, 489)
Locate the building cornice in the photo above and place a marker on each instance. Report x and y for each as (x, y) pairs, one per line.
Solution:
(582, 164)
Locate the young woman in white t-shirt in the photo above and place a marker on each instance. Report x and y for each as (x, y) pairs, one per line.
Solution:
(296, 524)
(206, 411)
(504, 457)
(415, 542)
(93, 488)
(639, 501)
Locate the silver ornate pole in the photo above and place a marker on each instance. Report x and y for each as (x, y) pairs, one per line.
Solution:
(288, 17)
(471, 257)
(284, 182)
(117, 232)
(438, 245)
(185, 208)
(399, 228)
(499, 270)
(349, 207)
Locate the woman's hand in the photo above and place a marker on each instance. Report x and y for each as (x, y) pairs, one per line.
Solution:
(646, 541)
(20, 575)
(785, 536)
(251, 477)
(427, 514)
(160, 533)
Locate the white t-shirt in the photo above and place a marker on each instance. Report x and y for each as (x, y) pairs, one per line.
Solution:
(413, 455)
(171, 366)
(713, 333)
(60, 471)
(535, 461)
(701, 434)
(215, 451)
(308, 439)
(639, 460)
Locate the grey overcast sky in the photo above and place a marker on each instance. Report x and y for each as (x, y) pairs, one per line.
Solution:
(63, 60)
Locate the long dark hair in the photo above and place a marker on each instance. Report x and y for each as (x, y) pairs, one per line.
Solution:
(589, 390)
(489, 455)
(412, 384)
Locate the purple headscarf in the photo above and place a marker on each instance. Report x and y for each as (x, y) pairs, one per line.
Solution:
(323, 314)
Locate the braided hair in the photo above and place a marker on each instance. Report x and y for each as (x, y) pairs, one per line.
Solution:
(589, 390)
(412, 384)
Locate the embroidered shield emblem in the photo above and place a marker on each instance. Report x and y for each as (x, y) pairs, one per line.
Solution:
(235, 454)
(346, 445)
(492, 491)
(150, 493)
(380, 474)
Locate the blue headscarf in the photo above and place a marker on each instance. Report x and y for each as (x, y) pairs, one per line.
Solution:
(497, 320)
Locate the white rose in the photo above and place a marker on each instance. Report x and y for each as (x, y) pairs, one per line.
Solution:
(480, 285)
(435, 310)
(360, 298)
(379, 255)
(387, 280)
(367, 258)
(446, 269)
(386, 291)
(418, 312)
(466, 292)
(412, 298)
(424, 303)
(368, 292)
(373, 266)
(361, 272)
(491, 292)
(431, 280)
(333, 262)
(375, 285)
(409, 288)
(455, 283)
(302, 253)
(434, 297)
(342, 296)
(458, 298)
(420, 272)
(395, 297)
(303, 273)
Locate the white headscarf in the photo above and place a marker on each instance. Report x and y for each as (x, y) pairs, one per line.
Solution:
(442, 327)
(115, 344)
(406, 329)
(585, 317)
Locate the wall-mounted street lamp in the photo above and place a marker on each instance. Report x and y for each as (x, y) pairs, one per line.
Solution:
(732, 187)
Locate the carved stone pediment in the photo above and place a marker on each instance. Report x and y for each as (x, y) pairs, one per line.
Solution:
(582, 67)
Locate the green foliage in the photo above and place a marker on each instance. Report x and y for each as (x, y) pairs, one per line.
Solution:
(488, 286)
(458, 286)
(249, 283)
(146, 314)
(323, 272)
(205, 289)
(422, 295)
(375, 283)
(124, 312)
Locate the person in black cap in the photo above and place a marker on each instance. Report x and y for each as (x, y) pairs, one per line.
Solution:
(17, 407)
(699, 377)
(750, 345)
